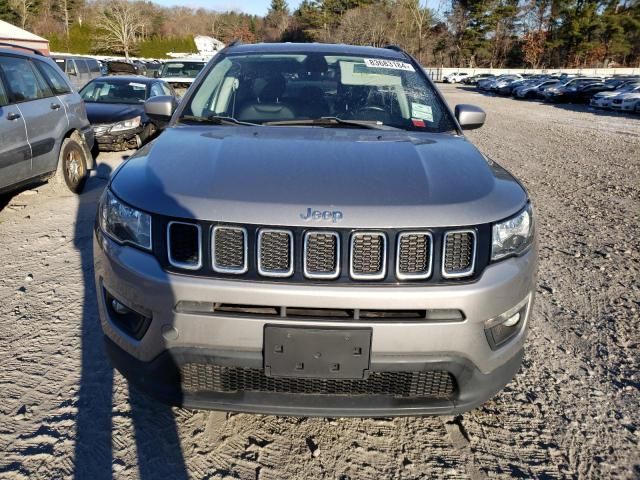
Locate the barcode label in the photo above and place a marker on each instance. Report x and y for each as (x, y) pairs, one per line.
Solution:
(390, 64)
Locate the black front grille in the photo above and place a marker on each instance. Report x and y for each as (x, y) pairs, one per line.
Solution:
(414, 255)
(274, 255)
(459, 251)
(201, 377)
(321, 254)
(184, 245)
(367, 255)
(229, 249)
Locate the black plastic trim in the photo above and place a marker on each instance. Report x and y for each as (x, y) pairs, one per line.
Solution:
(483, 252)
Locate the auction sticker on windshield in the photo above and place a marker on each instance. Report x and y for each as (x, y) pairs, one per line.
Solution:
(391, 64)
(423, 112)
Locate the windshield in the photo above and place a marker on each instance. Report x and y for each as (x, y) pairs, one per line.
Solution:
(181, 69)
(294, 88)
(114, 91)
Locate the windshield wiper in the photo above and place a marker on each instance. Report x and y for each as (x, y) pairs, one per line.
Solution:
(216, 120)
(333, 121)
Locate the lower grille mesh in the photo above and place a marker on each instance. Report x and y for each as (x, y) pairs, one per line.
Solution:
(200, 377)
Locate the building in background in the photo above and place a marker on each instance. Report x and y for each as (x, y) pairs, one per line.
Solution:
(12, 34)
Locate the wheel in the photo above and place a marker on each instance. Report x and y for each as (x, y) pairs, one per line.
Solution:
(72, 165)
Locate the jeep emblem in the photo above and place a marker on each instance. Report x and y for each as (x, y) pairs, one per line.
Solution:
(311, 214)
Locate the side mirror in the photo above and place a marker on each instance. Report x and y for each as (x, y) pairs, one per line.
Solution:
(156, 74)
(470, 116)
(160, 109)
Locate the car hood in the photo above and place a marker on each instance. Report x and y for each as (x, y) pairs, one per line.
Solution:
(628, 96)
(106, 113)
(273, 175)
(606, 94)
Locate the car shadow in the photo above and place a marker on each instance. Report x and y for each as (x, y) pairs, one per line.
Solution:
(158, 449)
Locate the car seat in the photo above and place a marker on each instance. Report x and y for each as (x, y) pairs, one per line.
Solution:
(267, 104)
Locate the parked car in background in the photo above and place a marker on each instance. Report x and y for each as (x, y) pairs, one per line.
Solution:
(501, 81)
(584, 93)
(566, 92)
(80, 70)
(626, 102)
(507, 87)
(140, 66)
(121, 67)
(115, 107)
(535, 88)
(153, 67)
(455, 77)
(603, 99)
(484, 84)
(180, 74)
(474, 79)
(43, 123)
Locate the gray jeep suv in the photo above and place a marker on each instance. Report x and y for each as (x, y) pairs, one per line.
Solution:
(312, 234)
(44, 129)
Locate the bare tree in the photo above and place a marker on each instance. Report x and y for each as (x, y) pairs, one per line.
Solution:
(23, 8)
(420, 15)
(120, 23)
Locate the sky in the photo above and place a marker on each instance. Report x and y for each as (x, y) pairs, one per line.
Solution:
(254, 7)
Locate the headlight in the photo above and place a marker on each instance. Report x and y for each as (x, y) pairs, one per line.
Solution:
(126, 125)
(123, 223)
(512, 236)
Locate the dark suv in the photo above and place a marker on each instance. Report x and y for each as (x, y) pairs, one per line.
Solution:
(44, 130)
(314, 235)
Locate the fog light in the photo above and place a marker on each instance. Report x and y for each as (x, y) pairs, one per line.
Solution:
(501, 329)
(512, 320)
(119, 308)
(126, 319)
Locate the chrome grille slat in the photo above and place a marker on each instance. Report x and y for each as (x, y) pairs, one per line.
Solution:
(229, 249)
(368, 259)
(414, 256)
(275, 253)
(321, 257)
(458, 253)
(184, 247)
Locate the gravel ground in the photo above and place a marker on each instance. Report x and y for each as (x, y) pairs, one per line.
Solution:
(572, 411)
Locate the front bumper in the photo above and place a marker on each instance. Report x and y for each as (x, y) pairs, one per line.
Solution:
(174, 338)
(116, 142)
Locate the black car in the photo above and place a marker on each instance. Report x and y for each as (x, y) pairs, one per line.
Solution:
(115, 107)
(474, 79)
(568, 92)
(583, 93)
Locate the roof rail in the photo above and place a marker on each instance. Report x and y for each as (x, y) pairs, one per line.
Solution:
(235, 42)
(395, 48)
(13, 45)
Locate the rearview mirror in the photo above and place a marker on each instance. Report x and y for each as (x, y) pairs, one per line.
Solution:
(160, 109)
(470, 116)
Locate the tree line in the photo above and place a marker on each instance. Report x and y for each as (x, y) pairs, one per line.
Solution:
(459, 33)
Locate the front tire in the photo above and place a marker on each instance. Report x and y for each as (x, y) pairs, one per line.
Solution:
(72, 165)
